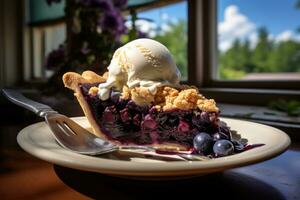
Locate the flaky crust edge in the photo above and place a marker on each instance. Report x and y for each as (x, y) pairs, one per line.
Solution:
(72, 81)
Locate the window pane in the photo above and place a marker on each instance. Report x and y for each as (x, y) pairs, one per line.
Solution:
(258, 40)
(40, 10)
(45, 40)
(168, 25)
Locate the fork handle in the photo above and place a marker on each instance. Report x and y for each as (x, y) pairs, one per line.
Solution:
(17, 98)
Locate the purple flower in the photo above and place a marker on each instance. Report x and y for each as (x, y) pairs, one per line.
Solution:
(105, 5)
(56, 58)
(112, 22)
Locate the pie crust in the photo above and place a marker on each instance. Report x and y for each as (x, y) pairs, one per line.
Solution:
(186, 96)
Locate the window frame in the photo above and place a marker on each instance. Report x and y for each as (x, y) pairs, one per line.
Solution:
(202, 63)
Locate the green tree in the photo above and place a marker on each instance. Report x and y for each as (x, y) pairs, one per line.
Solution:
(175, 39)
(285, 57)
(232, 58)
(236, 61)
(246, 54)
(261, 51)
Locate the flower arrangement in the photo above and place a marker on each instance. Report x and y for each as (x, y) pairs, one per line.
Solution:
(94, 29)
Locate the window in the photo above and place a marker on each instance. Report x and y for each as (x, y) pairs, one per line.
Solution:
(44, 32)
(258, 40)
(46, 39)
(204, 53)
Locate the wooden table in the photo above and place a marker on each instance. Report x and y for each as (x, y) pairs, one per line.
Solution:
(278, 178)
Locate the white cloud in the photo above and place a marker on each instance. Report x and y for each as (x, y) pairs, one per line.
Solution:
(235, 25)
(287, 35)
(284, 36)
(253, 38)
(174, 20)
(270, 36)
(145, 26)
(164, 16)
(165, 27)
(151, 28)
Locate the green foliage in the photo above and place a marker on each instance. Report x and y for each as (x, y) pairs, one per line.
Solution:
(266, 56)
(175, 39)
(236, 59)
(231, 74)
(285, 57)
(240, 59)
(292, 108)
(262, 51)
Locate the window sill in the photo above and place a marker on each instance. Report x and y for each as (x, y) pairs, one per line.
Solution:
(291, 125)
(249, 96)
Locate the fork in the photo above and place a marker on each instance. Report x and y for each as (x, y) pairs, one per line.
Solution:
(74, 137)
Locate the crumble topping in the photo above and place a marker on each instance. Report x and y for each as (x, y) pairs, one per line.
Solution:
(93, 91)
(168, 98)
(142, 95)
(125, 93)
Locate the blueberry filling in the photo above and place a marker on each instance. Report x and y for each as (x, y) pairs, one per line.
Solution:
(127, 122)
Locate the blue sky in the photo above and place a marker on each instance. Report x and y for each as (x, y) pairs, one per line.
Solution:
(237, 19)
(241, 19)
(161, 17)
(178, 10)
(276, 15)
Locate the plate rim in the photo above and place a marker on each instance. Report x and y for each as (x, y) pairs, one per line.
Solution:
(174, 168)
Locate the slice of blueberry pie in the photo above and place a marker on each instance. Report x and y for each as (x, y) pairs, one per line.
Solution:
(140, 101)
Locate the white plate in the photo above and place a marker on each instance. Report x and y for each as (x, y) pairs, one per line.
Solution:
(37, 140)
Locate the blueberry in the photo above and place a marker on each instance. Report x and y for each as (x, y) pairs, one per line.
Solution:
(125, 115)
(109, 115)
(115, 96)
(149, 123)
(204, 117)
(183, 126)
(238, 146)
(223, 148)
(137, 119)
(203, 143)
(220, 136)
(225, 129)
(167, 121)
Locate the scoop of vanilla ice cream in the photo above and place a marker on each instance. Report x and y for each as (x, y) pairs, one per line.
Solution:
(142, 62)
